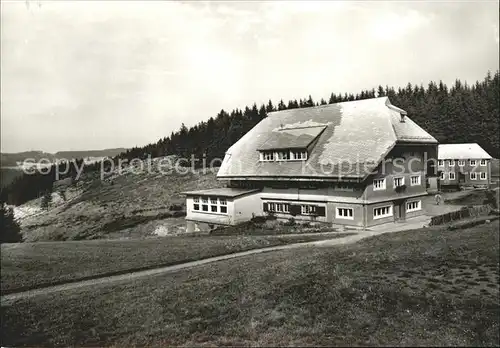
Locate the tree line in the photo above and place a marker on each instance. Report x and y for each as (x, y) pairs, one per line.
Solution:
(452, 114)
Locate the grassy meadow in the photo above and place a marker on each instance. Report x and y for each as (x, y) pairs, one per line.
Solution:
(421, 287)
(31, 265)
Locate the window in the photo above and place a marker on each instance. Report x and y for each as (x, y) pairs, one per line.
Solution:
(281, 207)
(441, 176)
(415, 180)
(483, 163)
(267, 156)
(345, 213)
(451, 176)
(344, 187)
(413, 206)
(382, 212)
(473, 176)
(308, 209)
(283, 155)
(451, 163)
(482, 176)
(472, 163)
(379, 184)
(272, 206)
(210, 204)
(440, 163)
(461, 163)
(399, 181)
(299, 155)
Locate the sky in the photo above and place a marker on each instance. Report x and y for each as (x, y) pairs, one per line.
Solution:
(79, 75)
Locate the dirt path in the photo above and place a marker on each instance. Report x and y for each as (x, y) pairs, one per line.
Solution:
(169, 269)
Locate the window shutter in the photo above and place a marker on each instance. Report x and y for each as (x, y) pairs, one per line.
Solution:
(321, 211)
(266, 207)
(295, 209)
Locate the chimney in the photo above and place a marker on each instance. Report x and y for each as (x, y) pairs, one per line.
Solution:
(402, 114)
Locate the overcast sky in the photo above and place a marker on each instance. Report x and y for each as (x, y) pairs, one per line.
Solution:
(92, 75)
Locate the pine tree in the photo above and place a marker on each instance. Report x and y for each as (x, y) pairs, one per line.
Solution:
(10, 231)
(281, 105)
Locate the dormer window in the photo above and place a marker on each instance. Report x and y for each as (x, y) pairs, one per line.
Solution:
(299, 155)
(267, 156)
(283, 155)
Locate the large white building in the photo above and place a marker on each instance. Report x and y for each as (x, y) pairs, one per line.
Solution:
(333, 163)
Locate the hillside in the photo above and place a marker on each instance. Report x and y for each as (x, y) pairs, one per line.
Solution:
(133, 204)
(12, 159)
(427, 287)
(89, 153)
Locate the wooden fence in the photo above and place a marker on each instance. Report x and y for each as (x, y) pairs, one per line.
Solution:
(464, 213)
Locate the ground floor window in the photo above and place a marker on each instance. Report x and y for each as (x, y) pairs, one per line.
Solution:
(345, 213)
(483, 176)
(277, 207)
(452, 176)
(473, 176)
(413, 206)
(382, 212)
(308, 209)
(217, 205)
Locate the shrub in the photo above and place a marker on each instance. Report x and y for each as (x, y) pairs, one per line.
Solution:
(259, 219)
(270, 215)
(290, 222)
(176, 207)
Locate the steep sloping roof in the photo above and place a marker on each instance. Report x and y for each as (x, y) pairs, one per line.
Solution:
(358, 135)
(462, 151)
(288, 138)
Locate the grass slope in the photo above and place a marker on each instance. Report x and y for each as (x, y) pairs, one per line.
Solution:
(425, 287)
(31, 265)
(137, 198)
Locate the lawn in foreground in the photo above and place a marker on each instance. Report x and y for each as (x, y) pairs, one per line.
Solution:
(30, 265)
(421, 287)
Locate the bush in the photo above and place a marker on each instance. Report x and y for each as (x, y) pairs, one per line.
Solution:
(176, 207)
(491, 199)
(259, 219)
(290, 222)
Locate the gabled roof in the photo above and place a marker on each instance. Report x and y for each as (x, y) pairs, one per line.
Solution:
(462, 151)
(357, 134)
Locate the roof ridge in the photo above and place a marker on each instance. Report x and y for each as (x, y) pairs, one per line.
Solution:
(327, 105)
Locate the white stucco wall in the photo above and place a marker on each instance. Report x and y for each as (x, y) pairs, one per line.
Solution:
(209, 217)
(245, 207)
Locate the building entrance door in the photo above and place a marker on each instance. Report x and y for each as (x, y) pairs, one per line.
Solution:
(399, 210)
